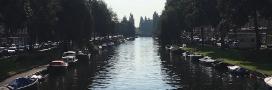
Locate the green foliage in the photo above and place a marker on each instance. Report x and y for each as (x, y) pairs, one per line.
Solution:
(127, 27)
(60, 20)
(219, 16)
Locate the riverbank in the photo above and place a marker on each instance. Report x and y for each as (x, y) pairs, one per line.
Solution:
(258, 61)
(24, 62)
(28, 63)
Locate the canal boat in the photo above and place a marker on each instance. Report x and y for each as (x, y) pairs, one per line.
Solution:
(40, 78)
(174, 49)
(167, 47)
(57, 65)
(24, 83)
(186, 54)
(195, 57)
(207, 60)
(81, 53)
(130, 38)
(111, 43)
(237, 70)
(268, 81)
(82, 56)
(104, 45)
(70, 57)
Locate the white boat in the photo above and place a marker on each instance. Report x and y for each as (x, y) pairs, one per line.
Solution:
(70, 57)
(207, 59)
(173, 48)
(100, 47)
(237, 70)
(104, 45)
(233, 67)
(268, 81)
(81, 53)
(57, 65)
(194, 55)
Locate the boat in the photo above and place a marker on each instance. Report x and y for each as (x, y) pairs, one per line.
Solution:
(174, 49)
(81, 53)
(82, 56)
(70, 57)
(237, 70)
(57, 65)
(268, 81)
(195, 57)
(23, 83)
(167, 47)
(130, 38)
(207, 60)
(186, 54)
(4, 88)
(104, 45)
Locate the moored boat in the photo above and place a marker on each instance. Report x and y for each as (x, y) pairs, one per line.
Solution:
(57, 65)
(23, 83)
(82, 56)
(174, 49)
(195, 57)
(268, 81)
(207, 60)
(237, 70)
(70, 57)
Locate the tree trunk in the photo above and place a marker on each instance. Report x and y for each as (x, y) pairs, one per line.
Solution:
(257, 31)
(223, 28)
(202, 36)
(192, 36)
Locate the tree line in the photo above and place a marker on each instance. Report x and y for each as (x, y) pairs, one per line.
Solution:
(61, 20)
(212, 17)
(147, 26)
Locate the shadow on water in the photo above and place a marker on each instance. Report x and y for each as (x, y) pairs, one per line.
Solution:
(143, 65)
(195, 76)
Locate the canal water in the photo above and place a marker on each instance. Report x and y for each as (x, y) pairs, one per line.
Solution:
(142, 65)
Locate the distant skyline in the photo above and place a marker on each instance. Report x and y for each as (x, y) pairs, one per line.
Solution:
(137, 7)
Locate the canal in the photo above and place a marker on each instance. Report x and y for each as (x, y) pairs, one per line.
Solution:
(142, 65)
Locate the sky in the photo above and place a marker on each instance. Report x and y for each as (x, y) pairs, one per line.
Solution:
(137, 7)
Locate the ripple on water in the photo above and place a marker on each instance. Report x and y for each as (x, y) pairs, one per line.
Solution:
(140, 65)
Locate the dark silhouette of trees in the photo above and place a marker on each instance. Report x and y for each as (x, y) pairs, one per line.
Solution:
(156, 23)
(149, 27)
(146, 27)
(62, 20)
(213, 18)
(12, 15)
(127, 26)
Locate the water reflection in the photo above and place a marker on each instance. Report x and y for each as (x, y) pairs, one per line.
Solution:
(135, 65)
(143, 65)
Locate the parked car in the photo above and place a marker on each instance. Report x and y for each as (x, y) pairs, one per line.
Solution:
(36, 46)
(12, 50)
(21, 48)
